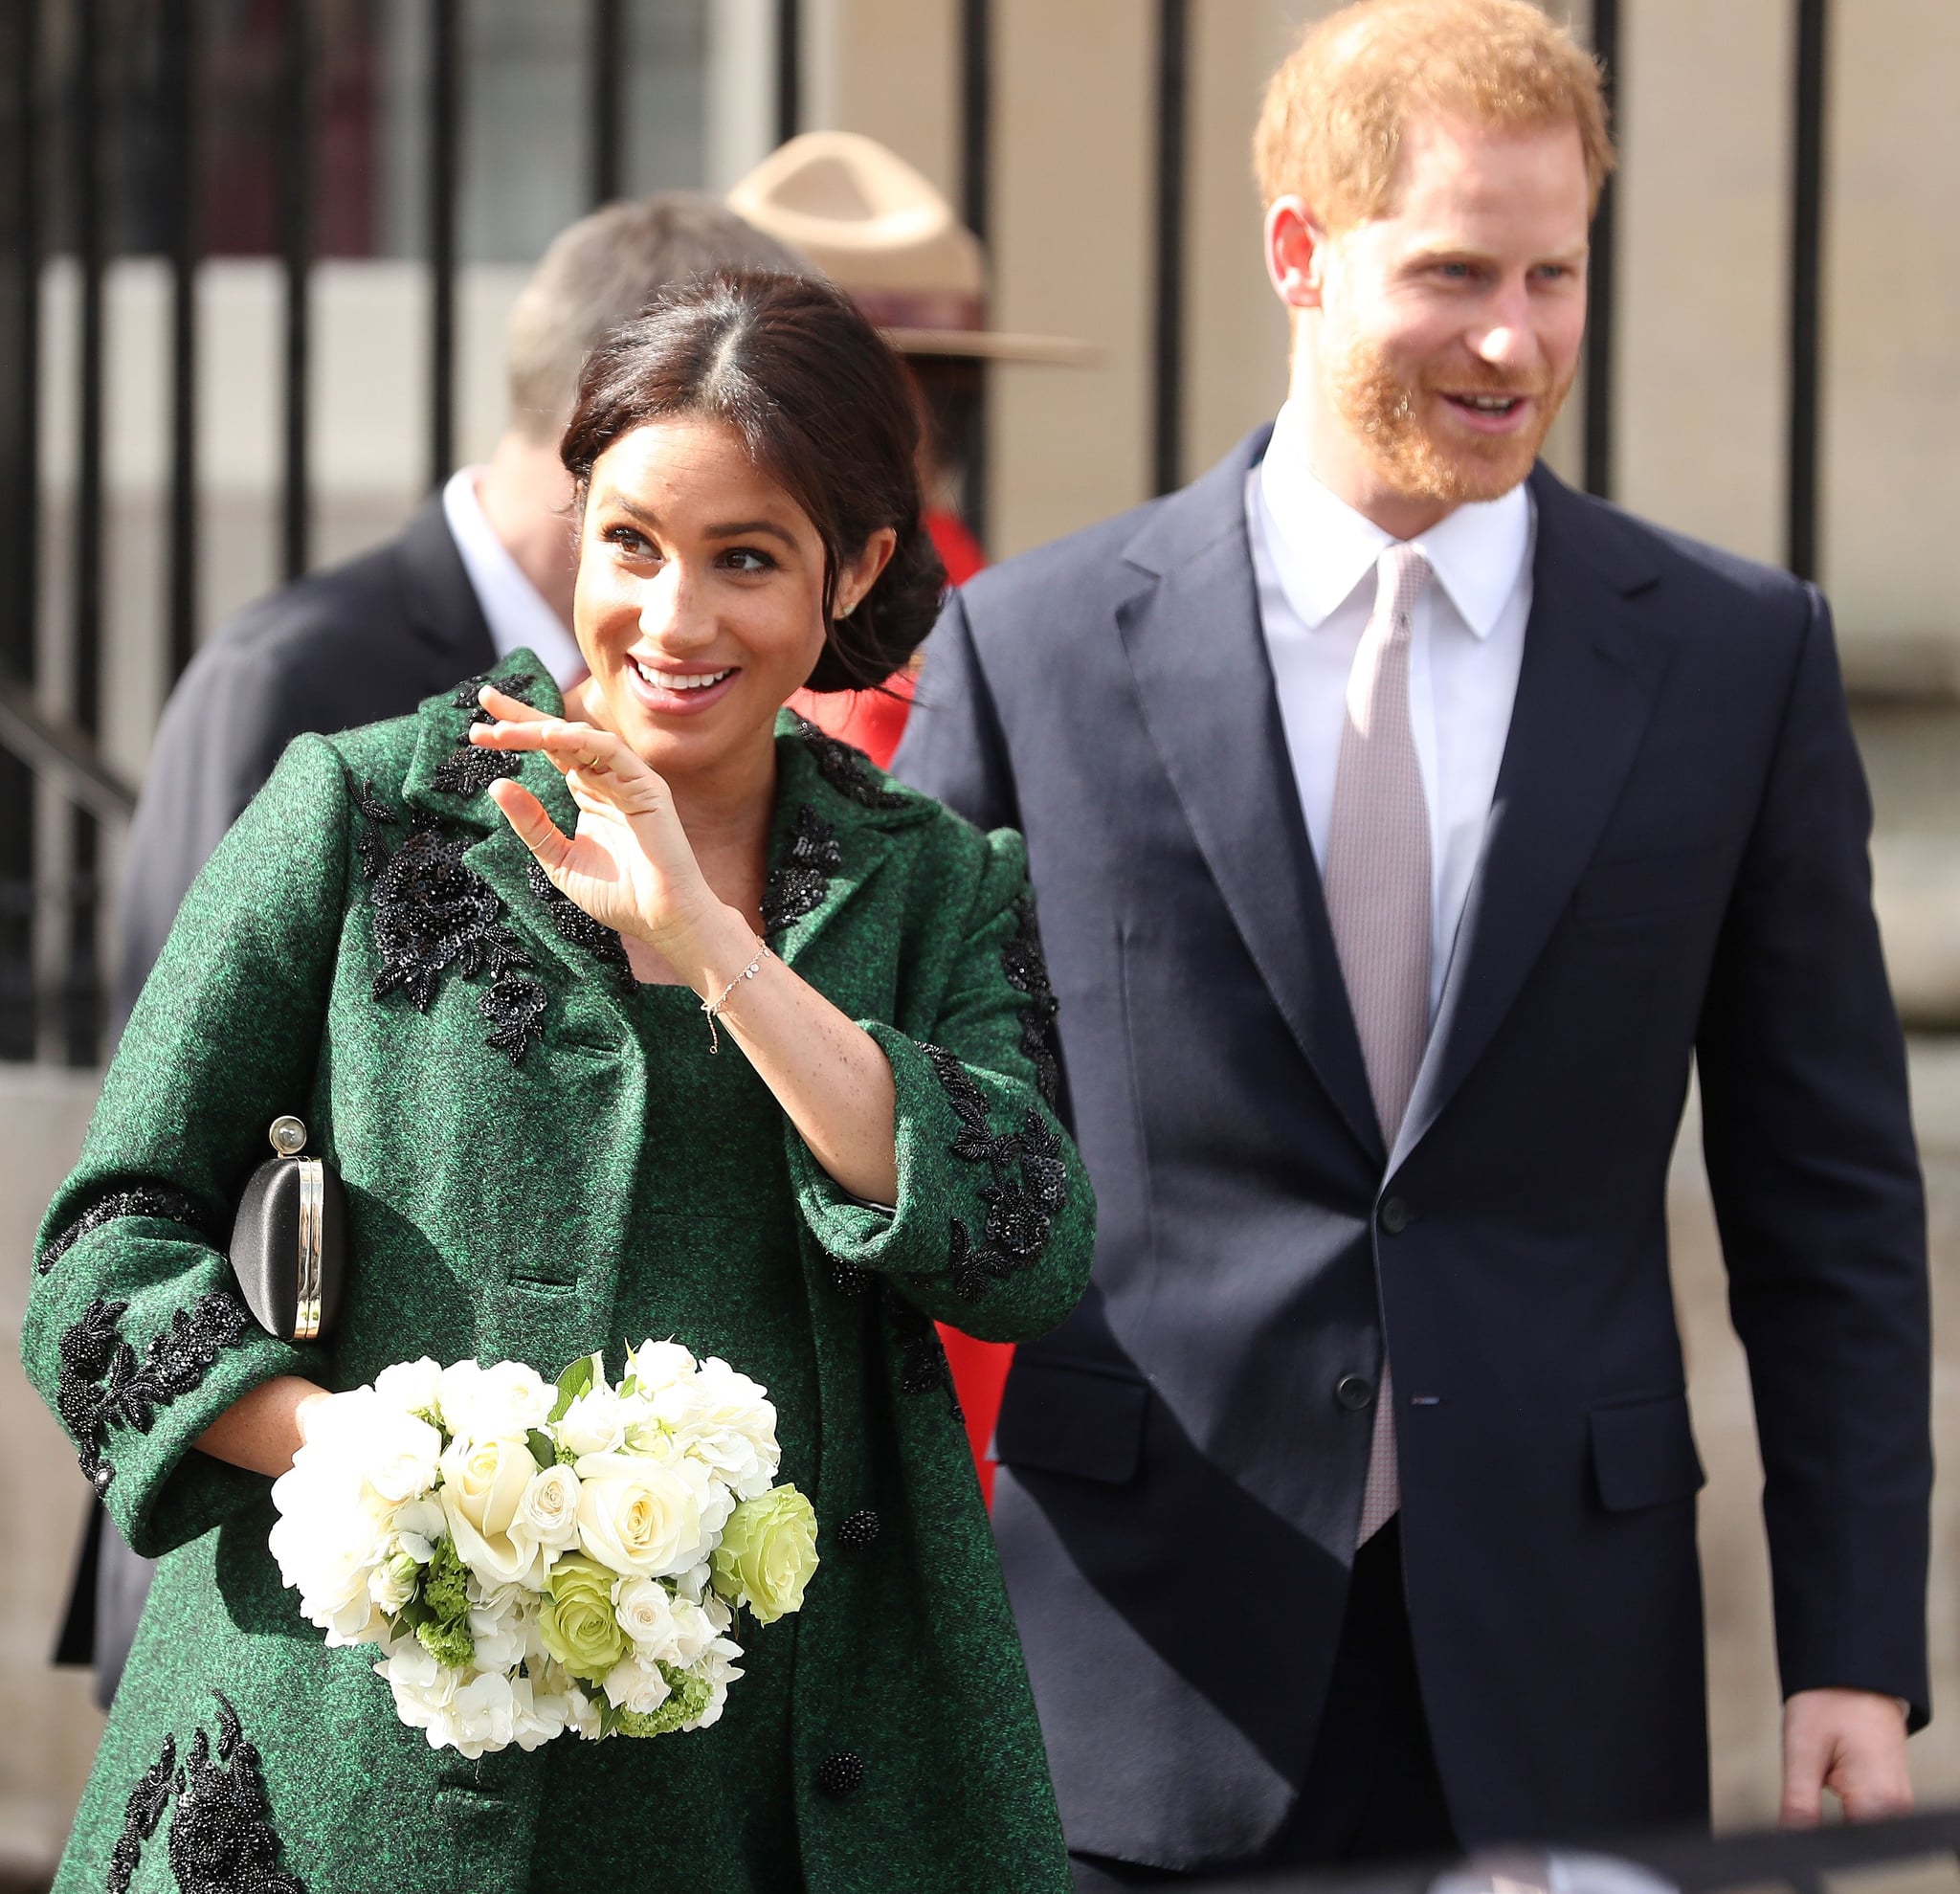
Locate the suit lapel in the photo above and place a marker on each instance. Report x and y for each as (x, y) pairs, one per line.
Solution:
(1193, 634)
(443, 607)
(1593, 666)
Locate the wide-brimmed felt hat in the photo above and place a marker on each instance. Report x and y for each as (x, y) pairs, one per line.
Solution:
(885, 236)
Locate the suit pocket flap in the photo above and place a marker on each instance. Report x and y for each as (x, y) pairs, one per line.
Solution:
(1077, 1420)
(1643, 1453)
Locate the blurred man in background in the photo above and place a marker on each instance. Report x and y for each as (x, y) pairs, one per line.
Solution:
(1405, 827)
(483, 566)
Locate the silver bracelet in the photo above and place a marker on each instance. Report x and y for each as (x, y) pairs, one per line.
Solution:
(713, 1007)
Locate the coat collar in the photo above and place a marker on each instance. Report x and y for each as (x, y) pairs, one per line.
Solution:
(831, 832)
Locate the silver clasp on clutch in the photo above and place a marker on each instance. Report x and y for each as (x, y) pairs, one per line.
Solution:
(288, 1138)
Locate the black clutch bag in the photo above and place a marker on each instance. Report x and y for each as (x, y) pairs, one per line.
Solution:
(289, 1239)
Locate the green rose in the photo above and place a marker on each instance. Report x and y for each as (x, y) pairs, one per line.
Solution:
(575, 1619)
(767, 1554)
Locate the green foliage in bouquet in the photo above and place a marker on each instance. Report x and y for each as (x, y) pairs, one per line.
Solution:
(439, 1612)
(690, 1698)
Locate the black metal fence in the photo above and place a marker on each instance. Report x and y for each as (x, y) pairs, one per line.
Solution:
(107, 118)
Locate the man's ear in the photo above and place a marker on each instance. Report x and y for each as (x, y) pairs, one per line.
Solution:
(1296, 244)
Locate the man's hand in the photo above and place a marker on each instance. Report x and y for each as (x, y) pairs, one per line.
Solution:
(1849, 1741)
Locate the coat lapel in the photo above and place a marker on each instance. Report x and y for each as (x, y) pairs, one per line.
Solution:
(1193, 634)
(1593, 666)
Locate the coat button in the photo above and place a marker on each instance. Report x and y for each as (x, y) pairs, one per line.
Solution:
(840, 1774)
(1397, 1214)
(1355, 1391)
(859, 1531)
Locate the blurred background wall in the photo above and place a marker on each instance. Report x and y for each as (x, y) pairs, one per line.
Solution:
(255, 256)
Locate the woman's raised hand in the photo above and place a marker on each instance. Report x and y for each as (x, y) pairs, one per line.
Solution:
(629, 865)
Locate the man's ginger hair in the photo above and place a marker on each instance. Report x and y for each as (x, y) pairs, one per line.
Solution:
(1330, 130)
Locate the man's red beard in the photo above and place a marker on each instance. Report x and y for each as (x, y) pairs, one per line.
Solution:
(1382, 410)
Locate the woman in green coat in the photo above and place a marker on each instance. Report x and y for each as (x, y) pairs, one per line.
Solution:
(473, 949)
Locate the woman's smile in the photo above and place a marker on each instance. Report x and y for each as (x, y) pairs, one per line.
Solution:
(672, 689)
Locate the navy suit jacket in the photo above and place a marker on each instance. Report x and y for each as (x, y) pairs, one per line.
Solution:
(1674, 873)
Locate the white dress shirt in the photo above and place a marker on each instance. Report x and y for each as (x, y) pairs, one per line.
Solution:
(513, 608)
(1314, 558)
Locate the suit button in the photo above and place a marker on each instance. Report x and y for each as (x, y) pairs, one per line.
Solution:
(1355, 1391)
(1397, 1214)
(859, 1531)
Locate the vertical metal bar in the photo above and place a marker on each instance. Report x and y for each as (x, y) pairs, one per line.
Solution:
(20, 531)
(1599, 278)
(80, 1023)
(296, 227)
(1166, 354)
(1806, 290)
(976, 205)
(180, 64)
(788, 69)
(445, 48)
(606, 92)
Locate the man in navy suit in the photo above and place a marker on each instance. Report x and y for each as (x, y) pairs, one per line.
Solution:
(1404, 826)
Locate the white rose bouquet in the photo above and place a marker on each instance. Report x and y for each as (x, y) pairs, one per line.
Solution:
(534, 1558)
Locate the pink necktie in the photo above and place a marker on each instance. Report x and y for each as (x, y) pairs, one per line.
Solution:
(1378, 902)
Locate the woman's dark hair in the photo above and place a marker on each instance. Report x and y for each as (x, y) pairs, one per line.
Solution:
(823, 407)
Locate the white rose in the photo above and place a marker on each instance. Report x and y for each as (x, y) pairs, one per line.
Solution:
(657, 1364)
(642, 1519)
(412, 1386)
(636, 1684)
(645, 1610)
(482, 1484)
(547, 1514)
(596, 1423)
(724, 1420)
(503, 1402)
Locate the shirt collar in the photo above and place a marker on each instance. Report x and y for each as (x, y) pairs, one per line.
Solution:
(1322, 549)
(513, 608)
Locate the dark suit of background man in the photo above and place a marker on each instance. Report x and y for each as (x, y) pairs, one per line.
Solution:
(483, 566)
(1403, 825)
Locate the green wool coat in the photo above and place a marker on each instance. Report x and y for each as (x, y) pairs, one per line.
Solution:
(368, 948)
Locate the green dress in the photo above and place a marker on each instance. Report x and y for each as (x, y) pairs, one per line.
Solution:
(540, 1159)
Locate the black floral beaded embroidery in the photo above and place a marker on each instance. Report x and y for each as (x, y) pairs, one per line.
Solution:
(221, 1841)
(468, 771)
(847, 770)
(433, 914)
(101, 1380)
(922, 1366)
(575, 925)
(1019, 1210)
(797, 883)
(158, 1200)
(1027, 973)
(372, 850)
(141, 1814)
(513, 1005)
